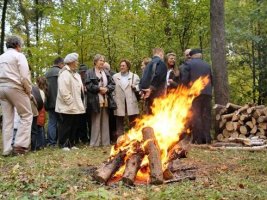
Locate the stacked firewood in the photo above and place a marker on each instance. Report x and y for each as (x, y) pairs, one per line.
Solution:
(235, 122)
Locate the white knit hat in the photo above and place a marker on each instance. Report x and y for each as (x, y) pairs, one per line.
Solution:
(71, 58)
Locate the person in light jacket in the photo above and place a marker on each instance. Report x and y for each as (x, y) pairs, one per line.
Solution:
(69, 103)
(15, 92)
(125, 97)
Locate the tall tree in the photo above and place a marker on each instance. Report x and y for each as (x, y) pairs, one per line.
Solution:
(218, 53)
(3, 26)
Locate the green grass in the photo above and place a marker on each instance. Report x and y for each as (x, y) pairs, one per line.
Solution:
(55, 174)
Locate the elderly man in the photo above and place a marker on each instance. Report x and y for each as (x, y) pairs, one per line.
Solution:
(15, 91)
(186, 58)
(201, 106)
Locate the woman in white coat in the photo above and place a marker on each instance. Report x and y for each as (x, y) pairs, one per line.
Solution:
(124, 95)
(69, 103)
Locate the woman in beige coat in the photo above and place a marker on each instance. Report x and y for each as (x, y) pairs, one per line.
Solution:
(127, 104)
(69, 103)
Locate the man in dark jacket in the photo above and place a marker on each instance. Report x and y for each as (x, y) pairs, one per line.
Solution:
(201, 106)
(153, 82)
(52, 76)
(85, 122)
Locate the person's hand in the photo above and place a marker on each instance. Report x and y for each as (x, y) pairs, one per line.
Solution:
(147, 93)
(170, 81)
(103, 90)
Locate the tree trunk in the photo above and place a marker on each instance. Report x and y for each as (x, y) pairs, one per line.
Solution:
(218, 55)
(3, 26)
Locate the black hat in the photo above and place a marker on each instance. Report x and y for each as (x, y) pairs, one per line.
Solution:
(83, 68)
(195, 51)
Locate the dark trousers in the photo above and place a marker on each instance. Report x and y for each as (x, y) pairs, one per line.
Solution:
(112, 126)
(201, 120)
(83, 129)
(120, 123)
(68, 129)
(36, 136)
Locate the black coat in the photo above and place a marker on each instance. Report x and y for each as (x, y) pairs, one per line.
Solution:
(195, 68)
(174, 75)
(92, 86)
(51, 77)
(158, 82)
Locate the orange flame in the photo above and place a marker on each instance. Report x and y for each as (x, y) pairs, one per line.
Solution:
(169, 116)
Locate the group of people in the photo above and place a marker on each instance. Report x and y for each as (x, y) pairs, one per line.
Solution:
(90, 105)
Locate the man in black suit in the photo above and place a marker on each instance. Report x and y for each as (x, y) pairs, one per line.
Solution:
(153, 82)
(201, 106)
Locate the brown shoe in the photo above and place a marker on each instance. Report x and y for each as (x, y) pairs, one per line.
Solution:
(20, 150)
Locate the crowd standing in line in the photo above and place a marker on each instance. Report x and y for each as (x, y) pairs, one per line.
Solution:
(91, 105)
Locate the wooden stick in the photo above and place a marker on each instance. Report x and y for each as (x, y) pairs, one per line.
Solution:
(227, 116)
(242, 109)
(232, 107)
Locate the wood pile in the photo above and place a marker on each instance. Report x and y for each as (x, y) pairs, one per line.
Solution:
(242, 124)
(105, 174)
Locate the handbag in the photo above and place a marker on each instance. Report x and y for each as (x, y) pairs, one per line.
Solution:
(137, 94)
(111, 102)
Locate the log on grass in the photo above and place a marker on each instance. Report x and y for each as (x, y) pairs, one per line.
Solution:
(253, 148)
(104, 172)
(132, 167)
(153, 151)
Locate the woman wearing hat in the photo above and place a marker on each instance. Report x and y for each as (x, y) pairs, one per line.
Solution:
(69, 103)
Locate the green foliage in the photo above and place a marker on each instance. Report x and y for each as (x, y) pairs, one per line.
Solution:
(117, 29)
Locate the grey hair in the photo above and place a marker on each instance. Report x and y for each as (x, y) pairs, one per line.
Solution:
(97, 57)
(14, 41)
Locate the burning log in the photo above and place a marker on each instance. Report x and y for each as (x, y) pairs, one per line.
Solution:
(153, 151)
(132, 166)
(104, 172)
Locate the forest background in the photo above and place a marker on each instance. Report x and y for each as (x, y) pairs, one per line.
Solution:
(131, 28)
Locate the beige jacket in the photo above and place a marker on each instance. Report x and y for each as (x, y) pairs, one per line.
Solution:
(70, 90)
(15, 71)
(126, 95)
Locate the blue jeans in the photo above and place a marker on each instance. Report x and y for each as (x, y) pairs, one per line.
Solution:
(52, 128)
(41, 136)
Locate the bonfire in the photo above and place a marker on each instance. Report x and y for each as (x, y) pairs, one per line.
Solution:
(145, 152)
